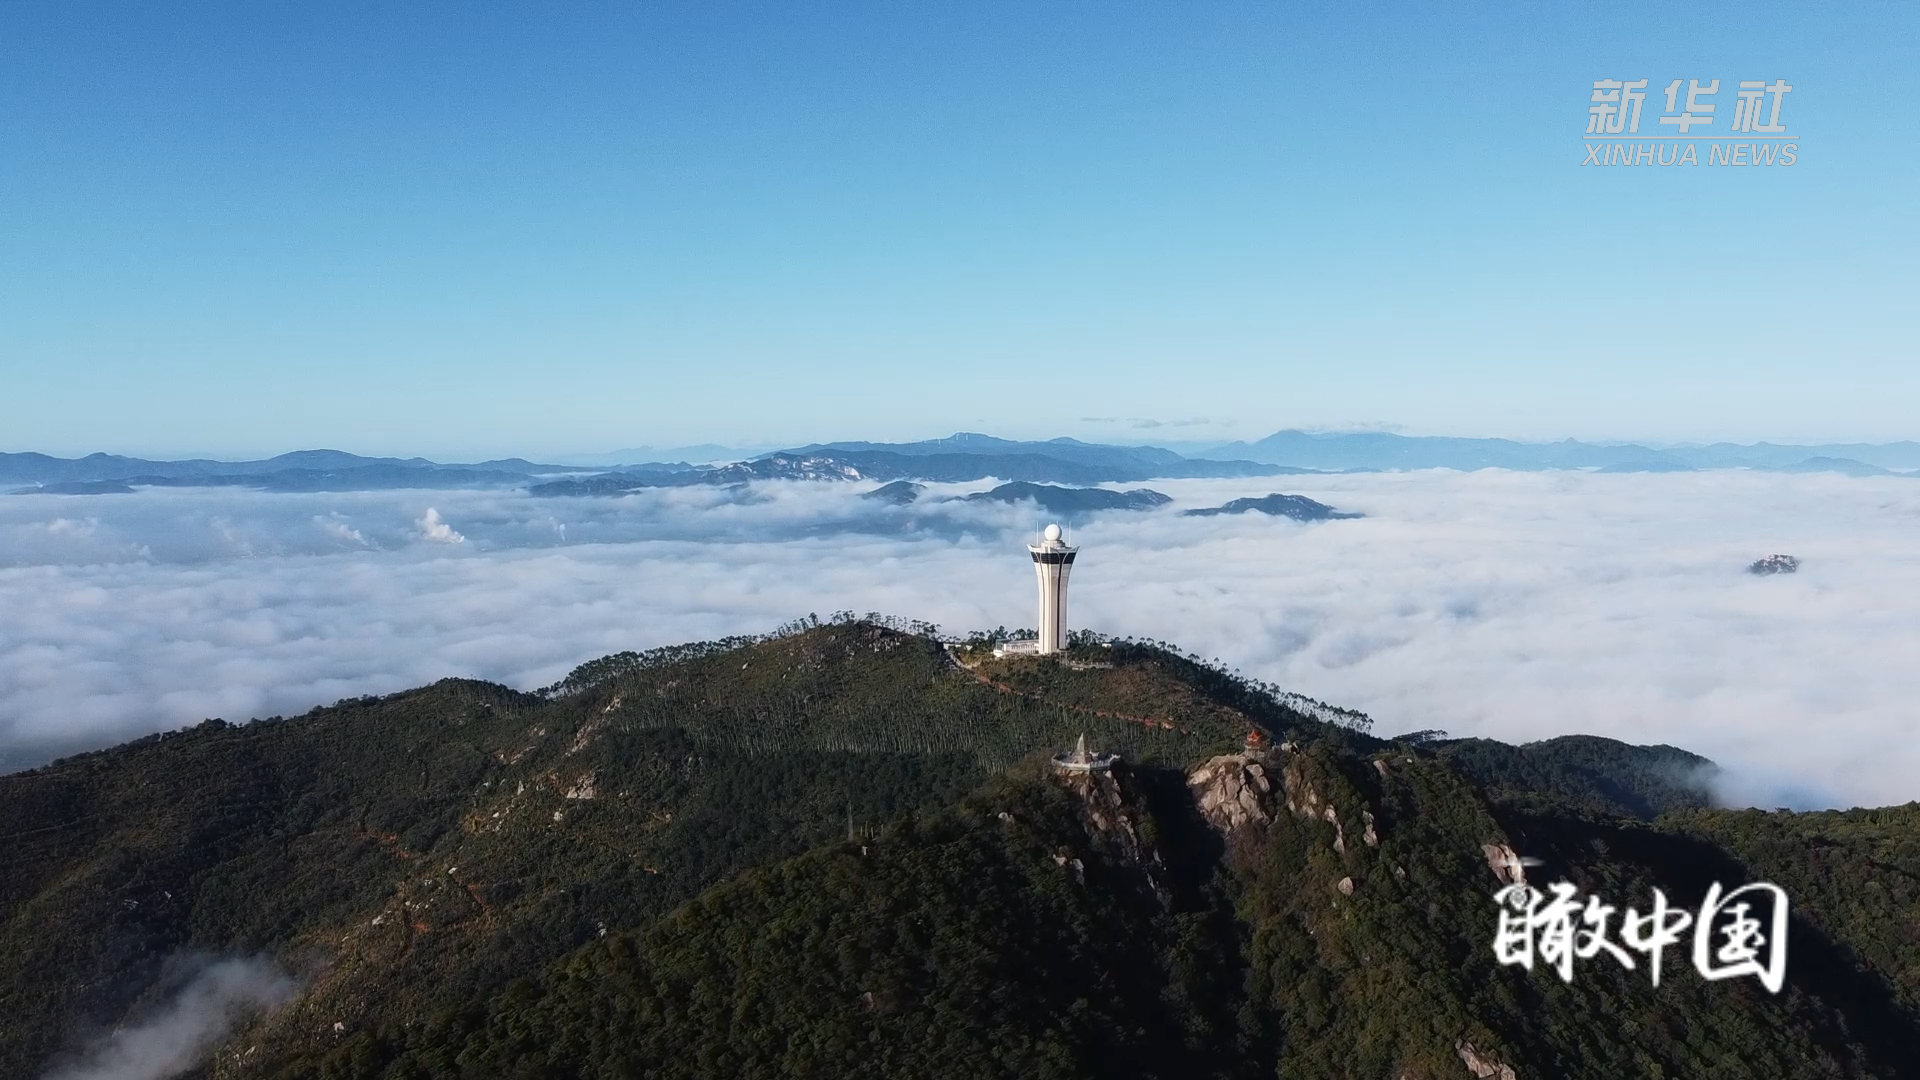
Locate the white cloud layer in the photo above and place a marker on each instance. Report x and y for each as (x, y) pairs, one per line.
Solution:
(1512, 605)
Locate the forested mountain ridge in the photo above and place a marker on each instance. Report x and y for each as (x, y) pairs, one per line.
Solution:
(646, 871)
(542, 819)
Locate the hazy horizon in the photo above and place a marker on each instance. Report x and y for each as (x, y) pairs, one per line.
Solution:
(1122, 437)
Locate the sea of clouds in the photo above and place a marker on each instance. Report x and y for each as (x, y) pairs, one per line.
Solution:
(1511, 605)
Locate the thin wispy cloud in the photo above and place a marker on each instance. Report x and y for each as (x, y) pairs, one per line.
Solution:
(1147, 423)
(172, 1039)
(338, 527)
(1512, 605)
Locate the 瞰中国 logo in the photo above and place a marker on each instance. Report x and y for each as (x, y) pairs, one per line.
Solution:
(1738, 932)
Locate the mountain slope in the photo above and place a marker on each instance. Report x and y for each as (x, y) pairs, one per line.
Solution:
(954, 944)
(1593, 774)
(647, 870)
(430, 844)
(1331, 927)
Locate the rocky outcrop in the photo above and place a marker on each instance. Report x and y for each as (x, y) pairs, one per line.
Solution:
(582, 789)
(1234, 791)
(1505, 863)
(1110, 811)
(1302, 799)
(1482, 1066)
(590, 730)
(1339, 834)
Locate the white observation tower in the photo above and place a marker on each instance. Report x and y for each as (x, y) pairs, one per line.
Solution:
(1052, 560)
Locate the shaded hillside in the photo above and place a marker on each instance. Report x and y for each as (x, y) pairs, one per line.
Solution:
(1856, 871)
(1594, 774)
(646, 870)
(1334, 925)
(1003, 937)
(328, 838)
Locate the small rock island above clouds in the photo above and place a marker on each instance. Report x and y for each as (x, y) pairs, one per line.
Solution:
(1297, 507)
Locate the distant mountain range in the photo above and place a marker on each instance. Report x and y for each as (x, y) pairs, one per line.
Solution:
(302, 470)
(1069, 503)
(1062, 461)
(1374, 451)
(960, 458)
(707, 453)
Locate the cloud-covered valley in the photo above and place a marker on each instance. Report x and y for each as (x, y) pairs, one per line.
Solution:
(1512, 605)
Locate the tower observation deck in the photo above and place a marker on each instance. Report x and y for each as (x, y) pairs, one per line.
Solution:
(1052, 562)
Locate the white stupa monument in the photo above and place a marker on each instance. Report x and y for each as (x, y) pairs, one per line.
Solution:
(1082, 760)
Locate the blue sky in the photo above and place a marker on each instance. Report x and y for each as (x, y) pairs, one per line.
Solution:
(466, 230)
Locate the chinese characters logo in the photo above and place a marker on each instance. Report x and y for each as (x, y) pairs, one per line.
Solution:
(1757, 134)
(1743, 932)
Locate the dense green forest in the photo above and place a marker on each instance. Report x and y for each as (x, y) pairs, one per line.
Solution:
(841, 851)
